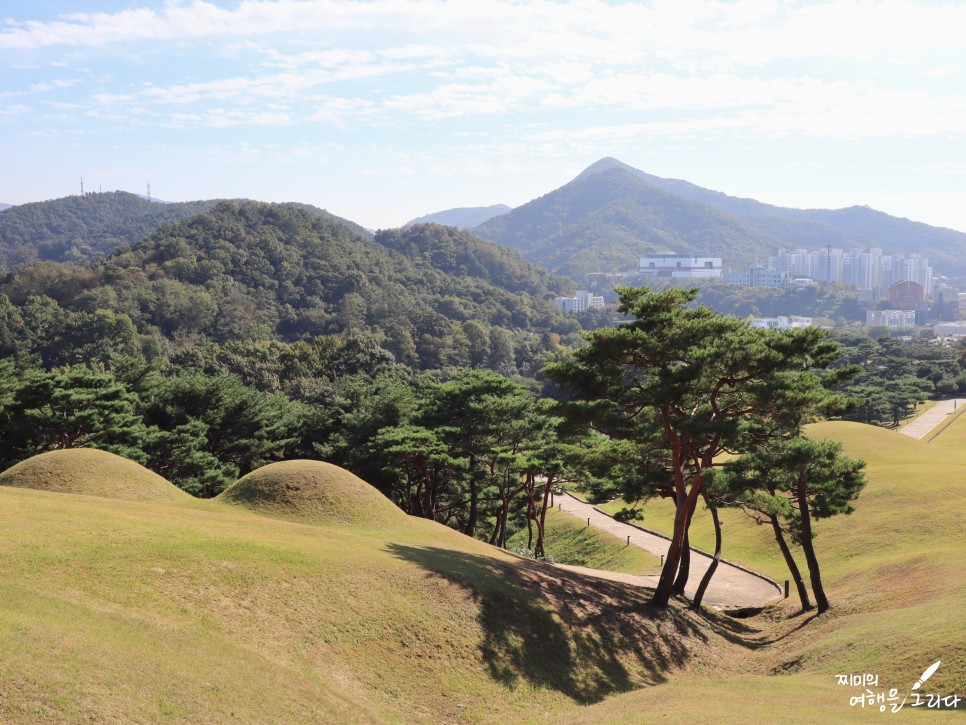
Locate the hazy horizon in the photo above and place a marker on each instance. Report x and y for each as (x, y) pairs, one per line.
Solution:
(384, 111)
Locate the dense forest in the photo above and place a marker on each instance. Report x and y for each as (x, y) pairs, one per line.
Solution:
(833, 303)
(77, 228)
(432, 296)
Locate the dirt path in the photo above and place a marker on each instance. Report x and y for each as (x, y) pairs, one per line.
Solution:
(731, 587)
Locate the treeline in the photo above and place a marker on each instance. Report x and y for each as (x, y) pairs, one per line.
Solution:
(836, 303)
(78, 228)
(432, 296)
(468, 448)
(895, 374)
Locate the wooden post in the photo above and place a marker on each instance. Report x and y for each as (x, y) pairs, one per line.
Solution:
(786, 589)
(588, 520)
(628, 539)
(662, 559)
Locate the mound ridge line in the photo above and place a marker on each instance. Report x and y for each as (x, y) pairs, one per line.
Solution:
(91, 472)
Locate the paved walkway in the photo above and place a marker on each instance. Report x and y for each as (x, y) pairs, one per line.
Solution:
(730, 587)
(923, 425)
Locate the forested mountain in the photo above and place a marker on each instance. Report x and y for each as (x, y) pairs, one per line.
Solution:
(463, 217)
(81, 227)
(430, 295)
(849, 227)
(77, 228)
(606, 219)
(612, 213)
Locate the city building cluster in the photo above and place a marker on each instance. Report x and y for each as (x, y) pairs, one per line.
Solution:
(864, 270)
(899, 289)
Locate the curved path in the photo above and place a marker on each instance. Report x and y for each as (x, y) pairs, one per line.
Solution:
(731, 587)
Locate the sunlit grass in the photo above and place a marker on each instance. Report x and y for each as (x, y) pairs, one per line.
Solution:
(143, 611)
(569, 541)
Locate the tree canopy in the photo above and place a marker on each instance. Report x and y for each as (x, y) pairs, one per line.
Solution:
(684, 384)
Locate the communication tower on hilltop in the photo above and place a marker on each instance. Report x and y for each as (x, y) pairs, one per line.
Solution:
(82, 186)
(149, 192)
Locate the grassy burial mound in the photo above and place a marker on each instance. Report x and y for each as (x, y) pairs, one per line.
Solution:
(313, 492)
(121, 611)
(91, 472)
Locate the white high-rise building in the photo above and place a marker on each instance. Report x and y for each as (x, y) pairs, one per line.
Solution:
(865, 270)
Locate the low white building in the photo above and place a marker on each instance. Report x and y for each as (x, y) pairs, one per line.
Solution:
(782, 322)
(893, 319)
(580, 302)
(681, 266)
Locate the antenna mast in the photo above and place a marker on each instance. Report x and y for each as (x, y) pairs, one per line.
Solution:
(82, 186)
(149, 191)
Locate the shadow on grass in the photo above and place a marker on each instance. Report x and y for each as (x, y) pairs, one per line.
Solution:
(582, 636)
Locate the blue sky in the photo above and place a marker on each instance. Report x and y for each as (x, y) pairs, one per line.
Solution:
(384, 110)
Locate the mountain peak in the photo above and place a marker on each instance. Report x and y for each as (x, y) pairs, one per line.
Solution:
(605, 164)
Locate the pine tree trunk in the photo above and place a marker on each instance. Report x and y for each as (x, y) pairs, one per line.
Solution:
(470, 528)
(684, 567)
(531, 514)
(662, 594)
(706, 579)
(542, 522)
(814, 574)
(792, 566)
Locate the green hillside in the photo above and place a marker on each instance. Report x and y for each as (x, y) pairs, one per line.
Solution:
(120, 611)
(570, 541)
(251, 271)
(147, 611)
(611, 214)
(82, 227)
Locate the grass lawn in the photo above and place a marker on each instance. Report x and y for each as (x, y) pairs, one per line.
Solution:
(151, 610)
(144, 611)
(571, 542)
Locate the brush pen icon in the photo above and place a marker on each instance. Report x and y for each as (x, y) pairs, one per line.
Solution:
(927, 674)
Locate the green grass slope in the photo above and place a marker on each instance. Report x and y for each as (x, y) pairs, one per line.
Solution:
(569, 541)
(140, 611)
(143, 611)
(314, 492)
(91, 472)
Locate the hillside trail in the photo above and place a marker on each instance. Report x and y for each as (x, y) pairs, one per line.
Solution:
(732, 587)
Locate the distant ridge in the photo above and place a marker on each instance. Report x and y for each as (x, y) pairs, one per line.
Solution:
(5, 206)
(465, 217)
(82, 227)
(611, 214)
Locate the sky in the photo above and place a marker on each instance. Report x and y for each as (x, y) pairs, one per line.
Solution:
(385, 110)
